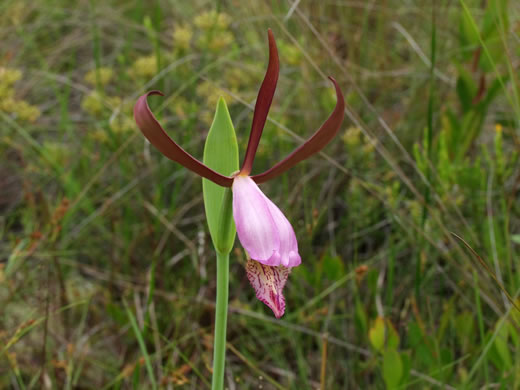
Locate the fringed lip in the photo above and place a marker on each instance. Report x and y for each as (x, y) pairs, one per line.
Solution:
(268, 283)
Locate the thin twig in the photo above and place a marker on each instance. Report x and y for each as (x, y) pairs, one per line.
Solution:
(323, 373)
(45, 329)
(486, 267)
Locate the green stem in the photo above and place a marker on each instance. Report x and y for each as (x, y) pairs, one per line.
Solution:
(219, 347)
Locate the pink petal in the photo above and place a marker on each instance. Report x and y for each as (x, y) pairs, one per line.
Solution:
(288, 244)
(268, 283)
(255, 225)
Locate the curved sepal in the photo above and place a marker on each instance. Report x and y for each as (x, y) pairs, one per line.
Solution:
(263, 103)
(313, 145)
(153, 131)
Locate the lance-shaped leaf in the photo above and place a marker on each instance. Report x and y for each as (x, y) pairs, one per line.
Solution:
(268, 283)
(220, 154)
(153, 131)
(263, 103)
(313, 145)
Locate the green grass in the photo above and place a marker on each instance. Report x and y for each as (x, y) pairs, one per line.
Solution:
(107, 271)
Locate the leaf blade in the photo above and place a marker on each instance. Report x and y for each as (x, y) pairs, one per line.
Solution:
(221, 155)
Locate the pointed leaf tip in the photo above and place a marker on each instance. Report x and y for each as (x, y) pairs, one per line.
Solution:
(220, 154)
(314, 144)
(153, 131)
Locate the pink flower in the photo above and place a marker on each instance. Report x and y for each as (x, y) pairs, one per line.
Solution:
(263, 230)
(269, 238)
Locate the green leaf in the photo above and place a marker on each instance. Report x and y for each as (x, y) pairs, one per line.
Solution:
(376, 334)
(415, 336)
(466, 88)
(392, 368)
(221, 155)
(407, 367)
(502, 347)
(360, 316)
(496, 15)
(333, 267)
(392, 337)
(465, 329)
(468, 34)
(142, 346)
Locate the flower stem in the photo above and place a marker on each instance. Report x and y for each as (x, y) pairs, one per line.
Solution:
(219, 347)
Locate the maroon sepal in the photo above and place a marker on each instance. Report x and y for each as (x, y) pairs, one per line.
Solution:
(313, 145)
(153, 131)
(263, 103)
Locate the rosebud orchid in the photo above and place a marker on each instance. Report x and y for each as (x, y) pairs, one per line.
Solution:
(263, 230)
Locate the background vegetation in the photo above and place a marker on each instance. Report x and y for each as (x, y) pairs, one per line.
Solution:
(107, 275)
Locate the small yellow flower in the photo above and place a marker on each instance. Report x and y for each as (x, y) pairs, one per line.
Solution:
(93, 103)
(368, 148)
(5, 92)
(9, 76)
(206, 117)
(291, 54)
(498, 128)
(223, 20)
(8, 104)
(221, 41)
(352, 136)
(236, 77)
(181, 107)
(27, 112)
(113, 101)
(122, 124)
(104, 73)
(15, 13)
(182, 37)
(99, 135)
(212, 93)
(144, 67)
(20, 108)
(215, 41)
(212, 19)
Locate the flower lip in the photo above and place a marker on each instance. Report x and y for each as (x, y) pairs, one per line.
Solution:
(154, 132)
(268, 283)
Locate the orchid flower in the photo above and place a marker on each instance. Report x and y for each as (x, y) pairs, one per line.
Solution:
(263, 230)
